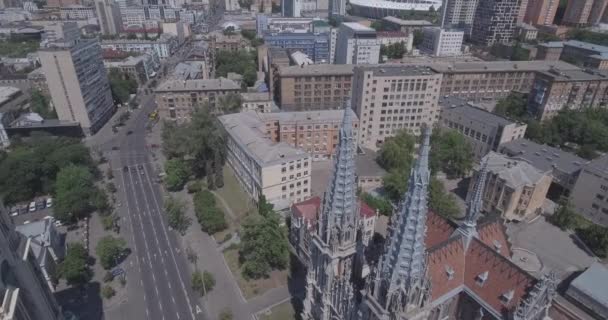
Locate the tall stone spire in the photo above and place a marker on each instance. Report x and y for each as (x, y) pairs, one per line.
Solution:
(329, 287)
(402, 267)
(469, 227)
(340, 199)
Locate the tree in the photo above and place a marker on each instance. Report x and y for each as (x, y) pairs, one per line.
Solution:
(377, 25)
(245, 4)
(397, 151)
(393, 51)
(176, 217)
(74, 267)
(513, 106)
(264, 246)
(226, 314)
(564, 217)
(265, 208)
(229, 103)
(107, 292)
(202, 282)
(242, 62)
(383, 206)
(177, 172)
(451, 153)
(441, 201)
(109, 250)
(122, 85)
(418, 37)
(248, 34)
(395, 183)
(74, 192)
(209, 216)
(596, 237)
(39, 103)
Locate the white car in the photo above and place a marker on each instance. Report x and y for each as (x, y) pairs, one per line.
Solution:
(49, 202)
(32, 206)
(58, 223)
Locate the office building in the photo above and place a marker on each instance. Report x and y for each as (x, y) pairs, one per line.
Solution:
(176, 99)
(495, 22)
(178, 29)
(313, 87)
(108, 15)
(60, 31)
(590, 193)
(77, 12)
(458, 14)
(541, 12)
(265, 24)
(526, 32)
(163, 47)
(584, 12)
(514, 188)
(485, 131)
(141, 68)
(315, 132)
(550, 51)
(25, 292)
(337, 8)
(491, 80)
(389, 98)
(357, 44)
(440, 42)
(387, 38)
(78, 83)
(555, 90)
(407, 26)
(291, 8)
(276, 170)
(565, 167)
(315, 46)
(585, 54)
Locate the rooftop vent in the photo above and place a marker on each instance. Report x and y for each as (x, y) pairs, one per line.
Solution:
(450, 272)
(482, 278)
(497, 246)
(507, 296)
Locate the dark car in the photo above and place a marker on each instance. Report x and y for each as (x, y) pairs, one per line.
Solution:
(41, 204)
(125, 169)
(115, 148)
(129, 132)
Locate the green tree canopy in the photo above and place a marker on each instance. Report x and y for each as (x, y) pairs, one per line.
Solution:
(596, 237)
(209, 216)
(264, 245)
(74, 193)
(122, 85)
(441, 201)
(397, 152)
(109, 250)
(451, 153)
(178, 172)
(74, 267)
(202, 282)
(39, 103)
(176, 216)
(242, 62)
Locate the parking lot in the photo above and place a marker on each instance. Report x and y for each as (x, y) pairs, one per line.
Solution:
(21, 213)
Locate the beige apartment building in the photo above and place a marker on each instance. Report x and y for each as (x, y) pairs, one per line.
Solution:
(388, 98)
(514, 188)
(315, 132)
(556, 89)
(313, 87)
(176, 99)
(590, 194)
(485, 131)
(541, 12)
(491, 80)
(277, 170)
(257, 101)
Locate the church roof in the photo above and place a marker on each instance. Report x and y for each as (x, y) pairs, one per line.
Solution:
(309, 209)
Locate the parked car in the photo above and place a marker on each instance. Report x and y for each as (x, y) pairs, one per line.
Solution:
(40, 205)
(24, 209)
(49, 202)
(14, 211)
(32, 206)
(58, 223)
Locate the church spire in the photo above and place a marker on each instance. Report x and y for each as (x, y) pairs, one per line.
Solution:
(469, 226)
(403, 264)
(340, 203)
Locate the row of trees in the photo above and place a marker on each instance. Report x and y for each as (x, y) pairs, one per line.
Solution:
(594, 236)
(393, 51)
(264, 244)
(450, 153)
(210, 217)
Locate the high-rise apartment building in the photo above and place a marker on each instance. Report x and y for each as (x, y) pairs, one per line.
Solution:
(25, 292)
(440, 42)
(584, 12)
(357, 44)
(541, 12)
(108, 15)
(337, 8)
(495, 22)
(78, 83)
(458, 14)
(389, 98)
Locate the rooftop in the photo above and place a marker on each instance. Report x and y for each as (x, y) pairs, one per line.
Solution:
(543, 157)
(496, 66)
(594, 282)
(255, 96)
(458, 106)
(516, 173)
(358, 27)
(576, 75)
(587, 46)
(249, 132)
(408, 23)
(198, 85)
(553, 44)
(321, 115)
(399, 70)
(391, 34)
(7, 93)
(318, 70)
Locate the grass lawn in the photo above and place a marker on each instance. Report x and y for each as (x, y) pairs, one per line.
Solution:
(235, 196)
(252, 288)
(18, 49)
(283, 311)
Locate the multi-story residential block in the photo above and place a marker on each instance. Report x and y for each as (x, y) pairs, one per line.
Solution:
(78, 83)
(315, 132)
(514, 188)
(551, 51)
(337, 8)
(495, 22)
(589, 196)
(265, 24)
(140, 68)
(565, 167)
(485, 131)
(176, 99)
(277, 170)
(407, 26)
(440, 42)
(390, 37)
(584, 12)
(291, 8)
(316, 46)
(526, 32)
(77, 12)
(227, 42)
(62, 3)
(585, 54)
(458, 14)
(108, 15)
(163, 47)
(389, 98)
(257, 101)
(25, 292)
(491, 80)
(541, 12)
(313, 87)
(179, 29)
(64, 31)
(357, 44)
(555, 90)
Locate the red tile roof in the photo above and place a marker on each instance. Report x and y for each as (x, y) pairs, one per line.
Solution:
(366, 211)
(438, 230)
(310, 209)
(113, 54)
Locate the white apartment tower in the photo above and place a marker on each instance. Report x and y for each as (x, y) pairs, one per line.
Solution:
(441, 43)
(393, 97)
(458, 14)
(78, 83)
(108, 14)
(356, 44)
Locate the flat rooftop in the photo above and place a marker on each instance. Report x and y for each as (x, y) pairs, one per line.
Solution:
(399, 70)
(553, 44)
(197, 85)
(317, 70)
(576, 75)
(247, 129)
(255, 96)
(468, 112)
(542, 156)
(358, 27)
(587, 46)
(310, 116)
(408, 23)
(593, 282)
(501, 66)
